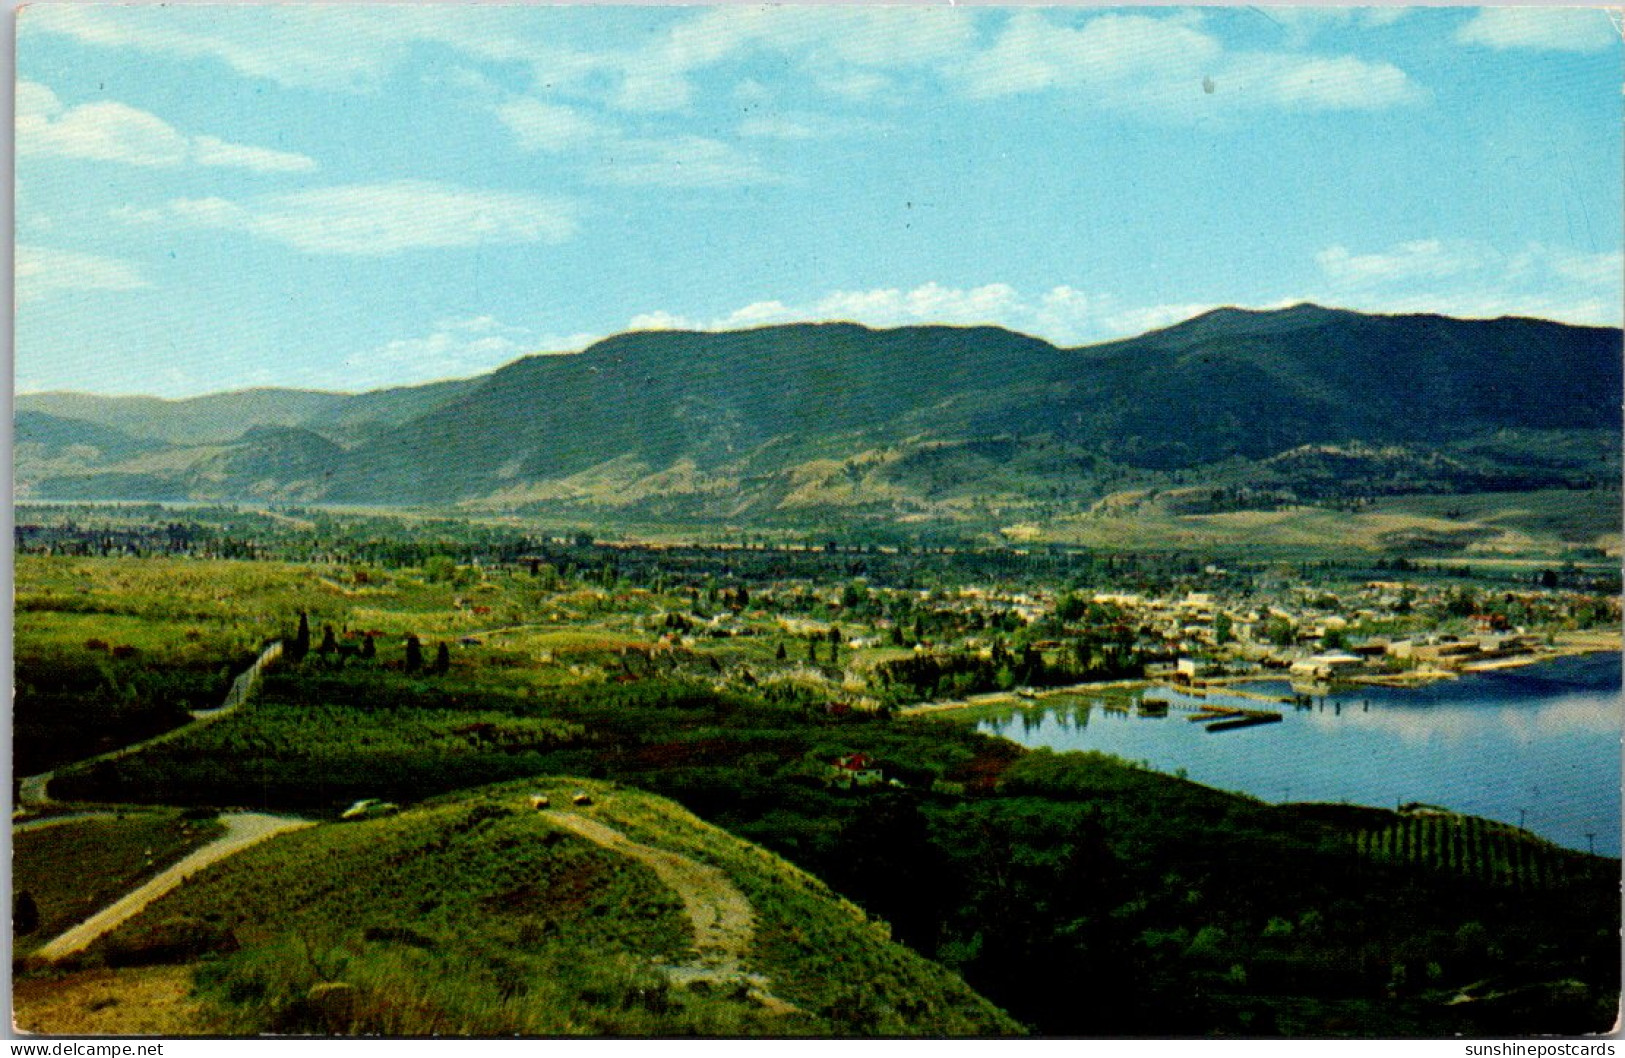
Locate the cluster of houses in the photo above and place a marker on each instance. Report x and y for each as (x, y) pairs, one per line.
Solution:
(1309, 641)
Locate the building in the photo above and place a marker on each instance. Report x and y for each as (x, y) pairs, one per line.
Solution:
(854, 771)
(1327, 666)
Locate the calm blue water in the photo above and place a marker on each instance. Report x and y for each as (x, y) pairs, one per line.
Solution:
(1538, 746)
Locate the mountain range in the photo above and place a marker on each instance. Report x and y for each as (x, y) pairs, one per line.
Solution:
(801, 422)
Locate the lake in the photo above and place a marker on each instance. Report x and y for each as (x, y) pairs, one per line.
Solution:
(1537, 746)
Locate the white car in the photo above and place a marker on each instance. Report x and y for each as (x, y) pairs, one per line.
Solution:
(371, 808)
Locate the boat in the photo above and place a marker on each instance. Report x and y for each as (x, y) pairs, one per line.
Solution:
(1248, 720)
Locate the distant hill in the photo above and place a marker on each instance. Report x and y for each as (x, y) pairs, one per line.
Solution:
(53, 436)
(220, 417)
(477, 915)
(809, 421)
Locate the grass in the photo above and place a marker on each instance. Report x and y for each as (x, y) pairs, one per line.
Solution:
(1549, 524)
(473, 915)
(820, 951)
(73, 869)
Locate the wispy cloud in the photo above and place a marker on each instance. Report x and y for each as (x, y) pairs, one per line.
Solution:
(1063, 314)
(41, 270)
(1303, 23)
(114, 132)
(1465, 277)
(456, 347)
(375, 220)
(837, 49)
(1418, 259)
(538, 125)
(336, 47)
(611, 156)
(681, 161)
(1171, 63)
(1034, 53)
(1575, 29)
(797, 125)
(1311, 82)
(873, 55)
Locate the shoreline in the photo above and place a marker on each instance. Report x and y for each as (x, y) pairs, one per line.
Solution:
(1415, 678)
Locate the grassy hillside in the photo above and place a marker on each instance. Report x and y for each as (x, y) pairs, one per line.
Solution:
(71, 869)
(477, 915)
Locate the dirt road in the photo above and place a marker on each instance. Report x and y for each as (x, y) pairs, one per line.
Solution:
(243, 829)
(32, 790)
(722, 917)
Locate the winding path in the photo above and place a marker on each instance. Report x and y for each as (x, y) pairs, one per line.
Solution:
(33, 790)
(724, 921)
(243, 829)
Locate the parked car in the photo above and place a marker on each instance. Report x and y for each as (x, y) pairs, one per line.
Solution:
(370, 808)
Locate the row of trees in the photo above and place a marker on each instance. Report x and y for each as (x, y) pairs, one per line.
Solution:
(297, 647)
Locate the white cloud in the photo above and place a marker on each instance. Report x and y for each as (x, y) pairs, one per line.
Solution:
(376, 220)
(1132, 321)
(616, 158)
(1575, 29)
(839, 49)
(1169, 63)
(1308, 82)
(550, 127)
(41, 270)
(453, 348)
(1473, 278)
(1062, 314)
(1034, 54)
(802, 125)
(114, 132)
(1419, 259)
(207, 150)
(680, 161)
(1302, 23)
(341, 47)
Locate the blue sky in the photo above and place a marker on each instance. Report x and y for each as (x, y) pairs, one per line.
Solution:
(338, 197)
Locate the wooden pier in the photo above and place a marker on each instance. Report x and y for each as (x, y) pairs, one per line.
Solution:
(1220, 717)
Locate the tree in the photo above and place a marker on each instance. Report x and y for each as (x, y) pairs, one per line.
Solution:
(812, 648)
(24, 914)
(1221, 628)
(442, 660)
(368, 649)
(300, 645)
(330, 642)
(779, 654)
(438, 569)
(414, 654)
(1071, 607)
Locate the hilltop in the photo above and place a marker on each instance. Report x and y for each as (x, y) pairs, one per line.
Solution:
(476, 914)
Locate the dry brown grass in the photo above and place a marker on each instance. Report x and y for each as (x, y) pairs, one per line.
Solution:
(138, 1001)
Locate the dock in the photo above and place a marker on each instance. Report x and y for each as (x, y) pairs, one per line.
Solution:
(1248, 719)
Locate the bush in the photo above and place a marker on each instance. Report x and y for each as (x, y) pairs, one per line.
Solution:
(170, 941)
